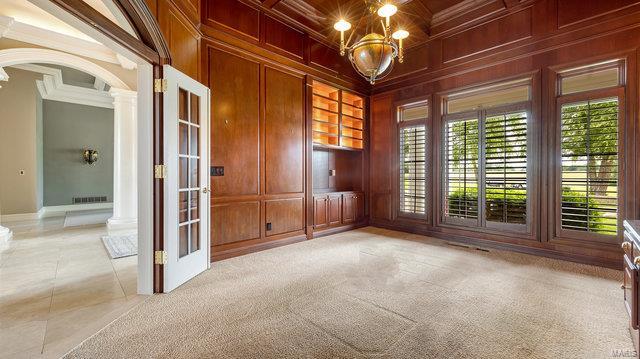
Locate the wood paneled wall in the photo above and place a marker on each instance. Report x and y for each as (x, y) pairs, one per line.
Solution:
(257, 135)
(256, 66)
(529, 39)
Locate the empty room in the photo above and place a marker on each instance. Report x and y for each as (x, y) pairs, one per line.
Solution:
(319, 179)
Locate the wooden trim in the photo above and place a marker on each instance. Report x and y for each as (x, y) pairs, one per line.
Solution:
(340, 229)
(257, 247)
(153, 51)
(499, 245)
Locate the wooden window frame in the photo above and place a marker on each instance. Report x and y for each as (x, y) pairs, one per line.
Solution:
(413, 123)
(481, 224)
(619, 64)
(570, 234)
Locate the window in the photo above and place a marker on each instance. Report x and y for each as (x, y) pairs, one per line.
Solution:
(412, 141)
(486, 158)
(462, 169)
(506, 167)
(589, 178)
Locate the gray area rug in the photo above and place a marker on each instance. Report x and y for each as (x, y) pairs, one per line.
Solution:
(373, 293)
(120, 246)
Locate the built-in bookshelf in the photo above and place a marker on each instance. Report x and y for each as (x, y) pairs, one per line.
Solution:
(326, 115)
(351, 125)
(338, 117)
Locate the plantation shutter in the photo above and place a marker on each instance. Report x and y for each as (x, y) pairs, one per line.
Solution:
(412, 170)
(412, 133)
(506, 168)
(589, 181)
(461, 197)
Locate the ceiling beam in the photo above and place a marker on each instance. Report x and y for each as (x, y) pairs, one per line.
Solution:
(270, 3)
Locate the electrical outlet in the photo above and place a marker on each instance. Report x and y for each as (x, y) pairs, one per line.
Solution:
(217, 171)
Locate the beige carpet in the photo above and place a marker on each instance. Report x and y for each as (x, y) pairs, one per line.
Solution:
(372, 293)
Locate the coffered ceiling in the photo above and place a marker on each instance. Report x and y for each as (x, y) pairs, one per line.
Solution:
(318, 16)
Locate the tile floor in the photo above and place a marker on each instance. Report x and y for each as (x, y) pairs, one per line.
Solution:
(58, 286)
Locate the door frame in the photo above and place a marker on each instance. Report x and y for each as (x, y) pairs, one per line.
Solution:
(149, 51)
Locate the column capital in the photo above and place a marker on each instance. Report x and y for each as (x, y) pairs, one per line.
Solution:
(123, 94)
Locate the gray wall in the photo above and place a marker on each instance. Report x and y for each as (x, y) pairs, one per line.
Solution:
(19, 102)
(68, 129)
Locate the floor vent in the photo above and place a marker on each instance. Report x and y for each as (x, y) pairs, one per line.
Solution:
(90, 199)
(467, 246)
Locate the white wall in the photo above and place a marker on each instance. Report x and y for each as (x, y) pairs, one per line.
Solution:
(19, 193)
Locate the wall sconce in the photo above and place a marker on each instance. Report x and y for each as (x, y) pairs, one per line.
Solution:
(90, 156)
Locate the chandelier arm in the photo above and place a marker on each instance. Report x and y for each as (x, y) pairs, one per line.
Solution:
(364, 13)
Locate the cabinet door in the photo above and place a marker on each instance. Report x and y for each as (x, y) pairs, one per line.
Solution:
(359, 206)
(335, 209)
(348, 208)
(320, 212)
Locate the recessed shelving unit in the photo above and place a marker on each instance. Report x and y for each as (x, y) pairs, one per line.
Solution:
(338, 117)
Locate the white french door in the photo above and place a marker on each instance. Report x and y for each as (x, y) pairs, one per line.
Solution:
(186, 184)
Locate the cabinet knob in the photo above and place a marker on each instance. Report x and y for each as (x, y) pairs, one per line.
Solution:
(626, 246)
(636, 261)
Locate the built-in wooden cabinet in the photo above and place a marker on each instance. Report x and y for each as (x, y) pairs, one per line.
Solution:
(337, 208)
(338, 156)
(337, 117)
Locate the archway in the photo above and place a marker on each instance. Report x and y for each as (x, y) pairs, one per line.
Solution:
(9, 57)
(125, 202)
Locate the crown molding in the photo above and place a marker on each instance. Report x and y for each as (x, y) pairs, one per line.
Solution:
(51, 87)
(12, 29)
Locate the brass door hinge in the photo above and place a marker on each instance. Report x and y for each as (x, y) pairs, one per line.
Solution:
(159, 85)
(160, 257)
(160, 171)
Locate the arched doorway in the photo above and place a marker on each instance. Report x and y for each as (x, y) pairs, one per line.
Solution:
(149, 50)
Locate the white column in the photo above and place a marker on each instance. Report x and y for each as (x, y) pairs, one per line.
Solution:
(5, 235)
(125, 143)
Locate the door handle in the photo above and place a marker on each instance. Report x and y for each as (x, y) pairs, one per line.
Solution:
(205, 190)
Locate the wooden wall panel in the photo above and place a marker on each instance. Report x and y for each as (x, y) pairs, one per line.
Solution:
(235, 115)
(285, 215)
(234, 15)
(284, 137)
(381, 147)
(491, 35)
(552, 36)
(323, 56)
(283, 37)
(574, 11)
(234, 222)
(182, 37)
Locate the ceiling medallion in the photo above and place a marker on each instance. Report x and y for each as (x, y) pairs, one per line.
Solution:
(373, 55)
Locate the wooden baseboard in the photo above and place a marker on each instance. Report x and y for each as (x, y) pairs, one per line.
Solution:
(339, 229)
(488, 244)
(218, 256)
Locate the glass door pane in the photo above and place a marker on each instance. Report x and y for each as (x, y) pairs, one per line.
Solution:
(189, 173)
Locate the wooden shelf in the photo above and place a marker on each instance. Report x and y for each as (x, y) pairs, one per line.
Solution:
(335, 147)
(351, 142)
(338, 118)
(326, 91)
(351, 133)
(352, 100)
